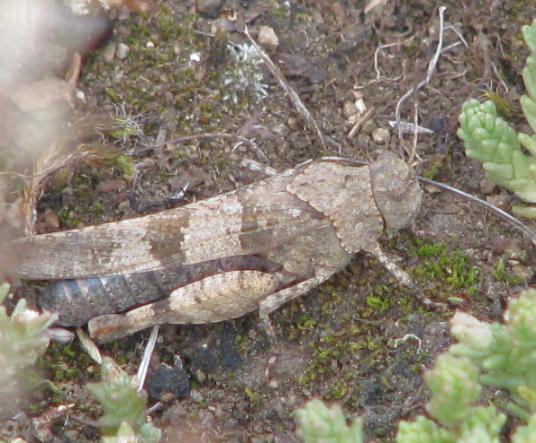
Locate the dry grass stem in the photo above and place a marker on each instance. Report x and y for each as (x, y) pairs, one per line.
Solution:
(208, 135)
(255, 166)
(148, 351)
(360, 122)
(294, 97)
(397, 123)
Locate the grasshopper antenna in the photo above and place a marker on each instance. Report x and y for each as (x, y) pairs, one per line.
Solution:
(518, 224)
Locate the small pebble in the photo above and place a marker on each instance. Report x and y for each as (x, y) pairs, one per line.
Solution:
(381, 136)
(281, 129)
(515, 251)
(123, 14)
(80, 96)
(109, 53)
(349, 109)
(500, 245)
(200, 376)
(122, 51)
(524, 273)
(51, 219)
(196, 395)
(363, 140)
(368, 127)
(487, 187)
(268, 38)
(292, 123)
(71, 435)
(339, 10)
(273, 384)
(499, 200)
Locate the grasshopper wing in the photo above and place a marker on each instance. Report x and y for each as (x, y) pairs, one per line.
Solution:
(250, 220)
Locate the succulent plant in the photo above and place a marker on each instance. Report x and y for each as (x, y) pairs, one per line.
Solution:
(508, 158)
(22, 336)
(318, 423)
(124, 407)
(507, 356)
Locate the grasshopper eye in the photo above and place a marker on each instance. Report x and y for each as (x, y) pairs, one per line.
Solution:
(396, 191)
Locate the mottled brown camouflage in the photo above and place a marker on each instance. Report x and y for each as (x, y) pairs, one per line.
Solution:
(253, 248)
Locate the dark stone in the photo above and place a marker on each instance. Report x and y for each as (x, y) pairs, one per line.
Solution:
(168, 381)
(209, 8)
(204, 359)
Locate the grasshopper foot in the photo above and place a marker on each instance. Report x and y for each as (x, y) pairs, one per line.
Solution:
(404, 279)
(264, 315)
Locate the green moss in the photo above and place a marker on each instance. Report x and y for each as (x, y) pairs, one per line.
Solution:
(124, 165)
(444, 268)
(337, 391)
(63, 363)
(306, 323)
(425, 250)
(381, 299)
(279, 13)
(111, 94)
(125, 128)
(254, 397)
(501, 274)
(503, 106)
(333, 348)
(123, 350)
(357, 335)
(68, 219)
(168, 24)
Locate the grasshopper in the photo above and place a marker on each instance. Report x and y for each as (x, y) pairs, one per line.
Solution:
(256, 247)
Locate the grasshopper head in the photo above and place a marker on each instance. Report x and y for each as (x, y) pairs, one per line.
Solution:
(396, 191)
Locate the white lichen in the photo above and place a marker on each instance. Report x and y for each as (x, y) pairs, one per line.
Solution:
(245, 75)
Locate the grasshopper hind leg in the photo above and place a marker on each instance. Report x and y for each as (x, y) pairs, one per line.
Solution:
(215, 298)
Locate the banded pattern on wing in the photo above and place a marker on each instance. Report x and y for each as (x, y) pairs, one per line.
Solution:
(251, 220)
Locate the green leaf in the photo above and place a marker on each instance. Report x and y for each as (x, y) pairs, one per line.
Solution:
(423, 430)
(121, 401)
(482, 425)
(454, 386)
(525, 434)
(318, 423)
(529, 35)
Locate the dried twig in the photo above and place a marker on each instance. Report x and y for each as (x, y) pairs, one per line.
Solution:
(56, 157)
(377, 52)
(255, 166)
(360, 122)
(189, 138)
(294, 97)
(207, 135)
(429, 73)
